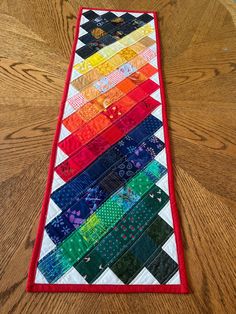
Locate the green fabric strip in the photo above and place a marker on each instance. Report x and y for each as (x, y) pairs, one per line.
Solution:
(144, 251)
(63, 257)
(123, 235)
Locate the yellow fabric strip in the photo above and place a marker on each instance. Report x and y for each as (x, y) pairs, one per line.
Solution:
(109, 51)
(113, 63)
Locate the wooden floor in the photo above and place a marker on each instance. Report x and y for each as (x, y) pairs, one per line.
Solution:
(199, 63)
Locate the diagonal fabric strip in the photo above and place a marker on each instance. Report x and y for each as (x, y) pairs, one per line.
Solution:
(64, 196)
(97, 193)
(109, 220)
(96, 226)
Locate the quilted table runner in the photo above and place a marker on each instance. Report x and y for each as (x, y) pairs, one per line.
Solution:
(109, 221)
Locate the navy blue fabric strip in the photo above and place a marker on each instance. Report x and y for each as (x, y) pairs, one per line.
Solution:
(111, 28)
(65, 223)
(68, 194)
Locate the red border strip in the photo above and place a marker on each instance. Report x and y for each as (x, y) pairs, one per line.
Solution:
(183, 286)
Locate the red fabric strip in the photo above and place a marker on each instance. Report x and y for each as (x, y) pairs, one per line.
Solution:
(104, 120)
(95, 126)
(149, 86)
(85, 133)
(88, 153)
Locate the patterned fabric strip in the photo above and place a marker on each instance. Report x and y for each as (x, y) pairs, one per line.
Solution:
(114, 103)
(138, 225)
(109, 51)
(96, 226)
(106, 83)
(116, 109)
(116, 61)
(88, 153)
(65, 195)
(107, 28)
(112, 73)
(107, 34)
(77, 214)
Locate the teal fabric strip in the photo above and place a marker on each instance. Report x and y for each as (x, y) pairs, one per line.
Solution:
(144, 252)
(123, 235)
(63, 257)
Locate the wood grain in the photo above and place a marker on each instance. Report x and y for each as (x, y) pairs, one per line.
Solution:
(199, 63)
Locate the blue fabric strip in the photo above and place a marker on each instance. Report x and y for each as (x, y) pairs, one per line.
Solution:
(65, 223)
(68, 194)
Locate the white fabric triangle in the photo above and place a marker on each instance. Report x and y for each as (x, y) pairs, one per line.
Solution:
(175, 280)
(74, 75)
(83, 20)
(64, 133)
(80, 43)
(135, 14)
(72, 276)
(108, 278)
(166, 214)
(47, 245)
(68, 110)
(155, 78)
(153, 48)
(152, 23)
(157, 95)
(160, 134)
(61, 156)
(152, 36)
(57, 182)
(72, 91)
(161, 158)
(53, 211)
(118, 13)
(153, 62)
(82, 32)
(77, 58)
(39, 278)
(100, 12)
(144, 278)
(170, 248)
(158, 112)
(163, 184)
